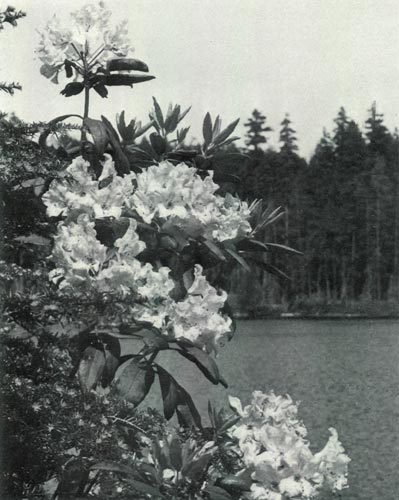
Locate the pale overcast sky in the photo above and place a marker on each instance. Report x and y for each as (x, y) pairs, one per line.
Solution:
(305, 57)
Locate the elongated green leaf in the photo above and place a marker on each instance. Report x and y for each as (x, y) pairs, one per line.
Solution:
(229, 141)
(133, 380)
(142, 129)
(212, 415)
(272, 219)
(238, 258)
(252, 245)
(111, 365)
(127, 64)
(68, 68)
(158, 113)
(184, 343)
(99, 133)
(91, 368)
(207, 129)
(121, 162)
(228, 423)
(158, 143)
(187, 413)
(269, 268)
(234, 484)
(205, 363)
(195, 469)
(121, 124)
(183, 114)
(73, 88)
(100, 88)
(177, 399)
(217, 126)
(216, 493)
(172, 119)
(269, 212)
(113, 467)
(215, 250)
(181, 134)
(169, 392)
(224, 134)
(284, 248)
(129, 80)
(43, 136)
(175, 453)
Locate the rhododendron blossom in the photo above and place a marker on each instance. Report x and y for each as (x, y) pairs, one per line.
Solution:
(198, 317)
(90, 32)
(178, 193)
(78, 253)
(79, 192)
(274, 450)
(86, 265)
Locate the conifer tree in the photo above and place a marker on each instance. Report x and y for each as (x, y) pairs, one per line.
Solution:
(287, 136)
(377, 133)
(256, 130)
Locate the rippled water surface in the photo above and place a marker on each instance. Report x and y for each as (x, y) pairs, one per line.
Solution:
(346, 375)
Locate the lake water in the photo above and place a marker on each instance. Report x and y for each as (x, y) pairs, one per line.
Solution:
(345, 373)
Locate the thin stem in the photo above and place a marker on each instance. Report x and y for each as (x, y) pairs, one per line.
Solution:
(87, 101)
(153, 356)
(76, 50)
(126, 422)
(95, 56)
(87, 95)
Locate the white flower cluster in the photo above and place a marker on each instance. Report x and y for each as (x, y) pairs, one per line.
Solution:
(272, 443)
(79, 192)
(85, 264)
(198, 316)
(178, 193)
(88, 31)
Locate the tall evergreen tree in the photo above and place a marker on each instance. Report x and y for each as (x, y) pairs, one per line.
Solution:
(256, 130)
(377, 133)
(341, 122)
(287, 136)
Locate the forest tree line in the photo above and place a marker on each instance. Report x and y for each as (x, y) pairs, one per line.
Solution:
(341, 210)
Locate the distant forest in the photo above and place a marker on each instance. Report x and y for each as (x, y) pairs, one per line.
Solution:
(341, 211)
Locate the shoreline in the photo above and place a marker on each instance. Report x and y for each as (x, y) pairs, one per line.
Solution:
(304, 316)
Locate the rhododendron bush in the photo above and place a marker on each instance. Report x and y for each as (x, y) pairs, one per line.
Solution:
(143, 238)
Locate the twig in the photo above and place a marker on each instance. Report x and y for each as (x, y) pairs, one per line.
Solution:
(128, 423)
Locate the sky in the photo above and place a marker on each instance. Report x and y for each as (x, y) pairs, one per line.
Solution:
(228, 57)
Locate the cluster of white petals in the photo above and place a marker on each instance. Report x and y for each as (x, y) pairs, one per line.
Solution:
(274, 450)
(178, 194)
(79, 192)
(198, 317)
(84, 264)
(90, 31)
(78, 253)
